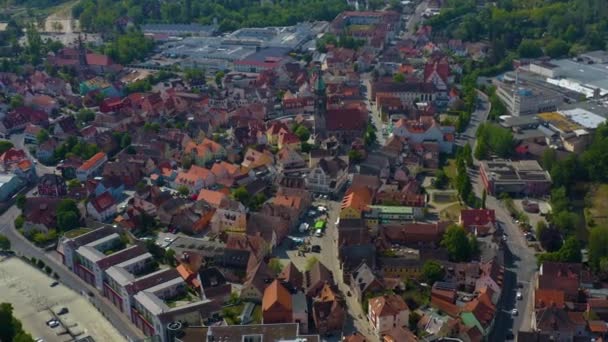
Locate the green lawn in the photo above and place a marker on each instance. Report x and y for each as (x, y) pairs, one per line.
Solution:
(451, 213)
(76, 232)
(597, 211)
(450, 169)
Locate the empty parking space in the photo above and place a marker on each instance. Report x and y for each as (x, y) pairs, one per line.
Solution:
(35, 302)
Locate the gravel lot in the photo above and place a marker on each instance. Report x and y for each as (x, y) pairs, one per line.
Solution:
(34, 302)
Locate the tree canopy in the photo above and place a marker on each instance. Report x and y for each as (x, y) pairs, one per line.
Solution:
(459, 246)
(432, 271)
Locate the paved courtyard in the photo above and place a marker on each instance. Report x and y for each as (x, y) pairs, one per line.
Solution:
(34, 302)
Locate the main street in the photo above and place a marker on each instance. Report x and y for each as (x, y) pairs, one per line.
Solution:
(520, 261)
(23, 247)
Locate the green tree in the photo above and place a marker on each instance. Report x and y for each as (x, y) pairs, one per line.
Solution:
(529, 49)
(170, 257)
(20, 201)
(370, 135)
(432, 271)
(570, 251)
(302, 132)
(241, 194)
(441, 179)
(456, 242)
(73, 184)
(68, 215)
(467, 154)
(275, 265)
(310, 263)
(565, 221)
(42, 136)
(557, 48)
(16, 101)
(541, 227)
(413, 320)
(219, 76)
(183, 190)
(354, 156)
(5, 243)
(399, 77)
(484, 196)
(5, 145)
(597, 246)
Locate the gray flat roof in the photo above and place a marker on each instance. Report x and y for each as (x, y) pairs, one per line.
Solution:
(593, 75)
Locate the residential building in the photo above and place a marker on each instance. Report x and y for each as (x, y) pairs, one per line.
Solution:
(52, 185)
(194, 179)
(102, 207)
(380, 215)
(40, 214)
(408, 92)
(208, 150)
(525, 177)
(364, 281)
(10, 184)
(480, 222)
(276, 304)
(91, 167)
(328, 176)
(253, 333)
(316, 278)
(230, 217)
(355, 202)
(424, 130)
(386, 312)
(328, 311)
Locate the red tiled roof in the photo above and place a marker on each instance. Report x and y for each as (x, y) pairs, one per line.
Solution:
(87, 165)
(477, 217)
(345, 119)
(103, 202)
(276, 293)
(548, 297)
(97, 59)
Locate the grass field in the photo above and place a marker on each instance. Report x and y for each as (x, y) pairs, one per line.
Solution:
(451, 213)
(450, 169)
(597, 212)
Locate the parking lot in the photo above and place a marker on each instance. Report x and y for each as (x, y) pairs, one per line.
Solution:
(35, 302)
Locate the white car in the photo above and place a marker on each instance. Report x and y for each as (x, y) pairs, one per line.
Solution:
(304, 227)
(321, 209)
(319, 233)
(514, 312)
(519, 296)
(53, 323)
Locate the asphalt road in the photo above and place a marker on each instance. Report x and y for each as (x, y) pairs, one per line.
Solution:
(17, 140)
(23, 247)
(520, 261)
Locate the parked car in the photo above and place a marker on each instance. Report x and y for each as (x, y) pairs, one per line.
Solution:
(53, 323)
(514, 312)
(519, 296)
(63, 311)
(316, 249)
(55, 283)
(319, 233)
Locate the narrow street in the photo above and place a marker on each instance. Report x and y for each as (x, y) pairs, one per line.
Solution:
(23, 247)
(520, 261)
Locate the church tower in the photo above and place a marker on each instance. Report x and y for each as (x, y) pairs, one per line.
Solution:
(82, 52)
(320, 103)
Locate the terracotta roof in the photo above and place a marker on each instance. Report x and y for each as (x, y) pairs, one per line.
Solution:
(103, 202)
(345, 119)
(274, 294)
(387, 305)
(548, 297)
(450, 309)
(598, 327)
(477, 217)
(399, 334)
(597, 303)
(482, 308)
(358, 198)
(292, 275)
(215, 198)
(87, 165)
